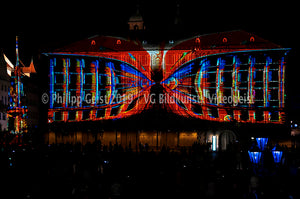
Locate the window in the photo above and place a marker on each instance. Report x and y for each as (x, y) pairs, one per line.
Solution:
(274, 116)
(57, 116)
(86, 115)
(244, 115)
(59, 78)
(115, 111)
(100, 113)
(259, 115)
(72, 115)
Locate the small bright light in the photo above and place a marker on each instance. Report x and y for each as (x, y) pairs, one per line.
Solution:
(295, 125)
(252, 138)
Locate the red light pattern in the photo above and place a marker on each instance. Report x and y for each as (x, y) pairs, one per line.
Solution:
(200, 75)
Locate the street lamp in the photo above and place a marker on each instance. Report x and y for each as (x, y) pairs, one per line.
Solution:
(255, 156)
(277, 154)
(262, 143)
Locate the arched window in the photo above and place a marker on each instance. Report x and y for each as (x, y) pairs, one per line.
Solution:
(118, 42)
(197, 40)
(225, 40)
(252, 39)
(93, 43)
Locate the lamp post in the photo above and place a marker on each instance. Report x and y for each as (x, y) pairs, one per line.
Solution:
(256, 154)
(262, 143)
(277, 154)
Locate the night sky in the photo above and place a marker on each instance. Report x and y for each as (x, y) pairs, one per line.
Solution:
(47, 25)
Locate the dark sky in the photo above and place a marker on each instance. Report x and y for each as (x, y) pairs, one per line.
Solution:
(52, 24)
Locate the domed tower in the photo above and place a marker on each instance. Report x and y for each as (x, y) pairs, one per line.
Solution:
(136, 21)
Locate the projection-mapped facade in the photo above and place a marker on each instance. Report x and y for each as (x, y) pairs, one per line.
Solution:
(229, 76)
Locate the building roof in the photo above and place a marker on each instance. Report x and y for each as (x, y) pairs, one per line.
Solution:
(237, 39)
(102, 44)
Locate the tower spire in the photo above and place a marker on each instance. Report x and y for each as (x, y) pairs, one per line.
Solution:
(17, 52)
(136, 21)
(177, 20)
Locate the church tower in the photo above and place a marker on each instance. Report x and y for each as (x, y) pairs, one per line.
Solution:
(136, 21)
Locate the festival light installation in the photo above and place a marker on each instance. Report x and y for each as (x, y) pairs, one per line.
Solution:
(225, 77)
(17, 110)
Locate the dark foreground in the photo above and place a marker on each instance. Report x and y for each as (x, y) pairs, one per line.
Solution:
(96, 171)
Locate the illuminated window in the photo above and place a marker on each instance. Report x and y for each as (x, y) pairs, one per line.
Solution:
(93, 43)
(225, 40)
(197, 40)
(118, 42)
(252, 39)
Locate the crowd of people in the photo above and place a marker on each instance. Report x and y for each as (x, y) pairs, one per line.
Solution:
(99, 171)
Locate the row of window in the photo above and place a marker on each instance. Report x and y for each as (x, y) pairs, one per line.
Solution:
(213, 112)
(4, 87)
(2, 116)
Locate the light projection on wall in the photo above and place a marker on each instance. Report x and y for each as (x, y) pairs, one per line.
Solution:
(98, 88)
(239, 78)
(237, 86)
(99, 85)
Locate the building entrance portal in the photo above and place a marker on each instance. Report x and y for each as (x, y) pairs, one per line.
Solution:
(226, 138)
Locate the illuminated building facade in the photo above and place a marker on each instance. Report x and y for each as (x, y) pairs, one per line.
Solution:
(4, 87)
(223, 77)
